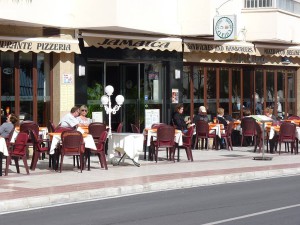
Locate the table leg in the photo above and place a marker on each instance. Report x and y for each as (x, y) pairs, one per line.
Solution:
(1, 157)
(89, 158)
(178, 152)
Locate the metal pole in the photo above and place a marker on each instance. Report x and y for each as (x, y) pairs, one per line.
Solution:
(109, 115)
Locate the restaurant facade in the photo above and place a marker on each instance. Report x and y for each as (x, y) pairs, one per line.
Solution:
(32, 69)
(50, 71)
(49, 64)
(141, 68)
(238, 75)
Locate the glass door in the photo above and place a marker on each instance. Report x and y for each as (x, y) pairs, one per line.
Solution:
(131, 89)
(141, 86)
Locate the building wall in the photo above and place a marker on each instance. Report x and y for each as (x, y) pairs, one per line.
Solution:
(63, 94)
(274, 25)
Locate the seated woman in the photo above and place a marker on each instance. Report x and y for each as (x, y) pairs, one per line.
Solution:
(8, 126)
(82, 119)
(178, 120)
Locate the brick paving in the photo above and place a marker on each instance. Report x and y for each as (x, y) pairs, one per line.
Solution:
(44, 187)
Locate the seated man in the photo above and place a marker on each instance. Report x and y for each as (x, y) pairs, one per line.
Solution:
(69, 120)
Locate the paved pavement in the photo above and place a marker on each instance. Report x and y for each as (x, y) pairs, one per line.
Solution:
(44, 187)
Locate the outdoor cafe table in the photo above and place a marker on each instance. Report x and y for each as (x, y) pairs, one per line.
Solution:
(275, 129)
(3, 152)
(43, 131)
(219, 128)
(3, 146)
(128, 144)
(153, 133)
(56, 138)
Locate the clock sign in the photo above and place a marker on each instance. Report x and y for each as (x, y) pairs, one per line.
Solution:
(224, 27)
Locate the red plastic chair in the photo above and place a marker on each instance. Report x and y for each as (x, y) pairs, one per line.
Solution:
(51, 127)
(18, 152)
(165, 139)
(96, 129)
(259, 138)
(101, 149)
(120, 126)
(72, 145)
(287, 134)
(39, 146)
(152, 148)
(202, 132)
(248, 129)
(227, 136)
(187, 141)
(134, 129)
(28, 125)
(294, 117)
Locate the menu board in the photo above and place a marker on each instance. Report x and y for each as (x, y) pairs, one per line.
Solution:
(97, 117)
(151, 117)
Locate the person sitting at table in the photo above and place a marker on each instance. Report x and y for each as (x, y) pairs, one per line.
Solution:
(8, 126)
(269, 113)
(82, 119)
(178, 120)
(202, 115)
(246, 113)
(222, 120)
(69, 120)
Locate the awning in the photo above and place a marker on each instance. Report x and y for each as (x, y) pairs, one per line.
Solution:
(132, 42)
(47, 45)
(240, 47)
(278, 51)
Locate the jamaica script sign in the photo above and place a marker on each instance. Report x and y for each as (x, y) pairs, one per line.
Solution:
(154, 44)
(37, 46)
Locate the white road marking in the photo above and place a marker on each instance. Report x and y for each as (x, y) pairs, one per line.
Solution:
(253, 214)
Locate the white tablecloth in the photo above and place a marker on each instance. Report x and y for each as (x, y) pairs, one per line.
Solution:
(217, 128)
(43, 132)
(151, 133)
(129, 143)
(3, 146)
(88, 142)
(272, 133)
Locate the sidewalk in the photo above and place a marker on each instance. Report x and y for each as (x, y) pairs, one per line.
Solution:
(44, 187)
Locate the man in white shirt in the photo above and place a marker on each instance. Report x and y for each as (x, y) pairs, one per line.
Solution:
(69, 120)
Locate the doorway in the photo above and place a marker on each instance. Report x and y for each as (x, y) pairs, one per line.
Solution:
(126, 80)
(139, 82)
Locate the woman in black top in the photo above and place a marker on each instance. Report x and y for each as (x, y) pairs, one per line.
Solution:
(177, 119)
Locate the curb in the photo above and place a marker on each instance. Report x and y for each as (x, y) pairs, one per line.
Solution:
(31, 203)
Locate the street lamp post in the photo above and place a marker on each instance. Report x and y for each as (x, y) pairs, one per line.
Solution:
(106, 102)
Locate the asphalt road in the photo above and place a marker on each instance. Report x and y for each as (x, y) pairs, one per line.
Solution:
(272, 201)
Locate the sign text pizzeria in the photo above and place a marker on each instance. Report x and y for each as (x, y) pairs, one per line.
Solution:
(29, 46)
